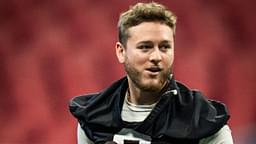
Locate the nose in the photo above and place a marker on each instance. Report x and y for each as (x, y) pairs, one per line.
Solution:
(155, 56)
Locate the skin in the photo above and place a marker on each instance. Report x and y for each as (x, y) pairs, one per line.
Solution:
(147, 59)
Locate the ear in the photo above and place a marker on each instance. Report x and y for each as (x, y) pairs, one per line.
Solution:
(120, 52)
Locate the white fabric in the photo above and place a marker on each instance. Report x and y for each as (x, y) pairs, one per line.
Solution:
(131, 135)
(135, 113)
(223, 136)
(138, 113)
(81, 136)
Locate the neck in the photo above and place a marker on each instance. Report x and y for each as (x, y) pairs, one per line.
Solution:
(140, 97)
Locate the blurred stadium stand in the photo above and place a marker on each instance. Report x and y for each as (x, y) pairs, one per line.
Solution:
(51, 51)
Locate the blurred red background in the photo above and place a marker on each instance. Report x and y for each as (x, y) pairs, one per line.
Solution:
(53, 50)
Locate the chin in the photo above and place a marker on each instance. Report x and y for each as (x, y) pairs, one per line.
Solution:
(154, 86)
(151, 88)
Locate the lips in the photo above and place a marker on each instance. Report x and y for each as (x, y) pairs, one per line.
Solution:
(154, 69)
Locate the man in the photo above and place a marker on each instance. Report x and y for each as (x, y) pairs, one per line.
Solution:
(148, 105)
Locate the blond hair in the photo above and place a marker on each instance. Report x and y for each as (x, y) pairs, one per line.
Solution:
(144, 12)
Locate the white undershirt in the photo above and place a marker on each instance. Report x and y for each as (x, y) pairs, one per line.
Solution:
(135, 113)
(138, 113)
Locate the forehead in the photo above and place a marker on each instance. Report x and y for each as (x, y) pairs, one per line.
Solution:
(150, 31)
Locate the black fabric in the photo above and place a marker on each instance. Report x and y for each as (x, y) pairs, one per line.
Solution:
(182, 118)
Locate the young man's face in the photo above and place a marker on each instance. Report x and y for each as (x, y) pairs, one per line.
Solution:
(148, 56)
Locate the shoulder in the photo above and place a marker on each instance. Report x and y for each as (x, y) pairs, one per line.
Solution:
(207, 117)
(81, 102)
(85, 100)
(223, 136)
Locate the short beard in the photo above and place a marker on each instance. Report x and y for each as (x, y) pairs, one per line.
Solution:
(136, 78)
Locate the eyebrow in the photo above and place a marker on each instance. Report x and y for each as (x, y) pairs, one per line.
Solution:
(166, 41)
(149, 42)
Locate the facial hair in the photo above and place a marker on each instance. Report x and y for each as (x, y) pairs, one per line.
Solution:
(137, 78)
